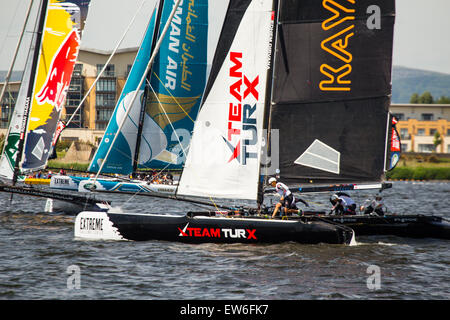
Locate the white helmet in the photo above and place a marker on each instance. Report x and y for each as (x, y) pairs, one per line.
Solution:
(271, 180)
(334, 197)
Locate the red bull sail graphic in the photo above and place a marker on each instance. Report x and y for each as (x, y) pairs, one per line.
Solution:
(55, 88)
(57, 57)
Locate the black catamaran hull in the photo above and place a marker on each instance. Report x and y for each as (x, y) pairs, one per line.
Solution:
(205, 229)
(412, 226)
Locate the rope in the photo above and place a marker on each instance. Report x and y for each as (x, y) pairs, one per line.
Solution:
(168, 119)
(173, 97)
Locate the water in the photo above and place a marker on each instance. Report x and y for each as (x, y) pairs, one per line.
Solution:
(39, 259)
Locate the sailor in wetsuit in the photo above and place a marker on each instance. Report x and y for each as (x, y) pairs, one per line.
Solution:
(287, 199)
(342, 204)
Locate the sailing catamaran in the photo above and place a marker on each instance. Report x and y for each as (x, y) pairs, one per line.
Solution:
(157, 129)
(322, 83)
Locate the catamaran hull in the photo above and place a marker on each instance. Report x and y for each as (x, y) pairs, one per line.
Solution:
(84, 184)
(412, 226)
(204, 229)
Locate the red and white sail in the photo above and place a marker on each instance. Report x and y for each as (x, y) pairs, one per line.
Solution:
(224, 156)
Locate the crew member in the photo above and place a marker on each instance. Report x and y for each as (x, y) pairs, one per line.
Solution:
(342, 204)
(376, 206)
(287, 200)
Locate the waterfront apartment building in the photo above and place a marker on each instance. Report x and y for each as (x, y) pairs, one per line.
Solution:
(417, 122)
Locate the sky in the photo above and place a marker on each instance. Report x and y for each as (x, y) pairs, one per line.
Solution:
(420, 34)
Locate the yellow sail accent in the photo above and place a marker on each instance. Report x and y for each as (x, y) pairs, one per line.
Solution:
(57, 27)
(173, 109)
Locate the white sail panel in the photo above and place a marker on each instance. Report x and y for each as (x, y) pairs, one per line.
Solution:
(224, 155)
(10, 150)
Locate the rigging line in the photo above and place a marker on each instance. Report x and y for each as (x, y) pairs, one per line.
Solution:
(168, 119)
(8, 75)
(210, 198)
(173, 97)
(141, 82)
(107, 63)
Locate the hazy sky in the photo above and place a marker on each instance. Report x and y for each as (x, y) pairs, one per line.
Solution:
(420, 40)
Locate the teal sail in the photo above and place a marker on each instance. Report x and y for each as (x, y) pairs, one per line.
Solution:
(177, 82)
(121, 157)
(169, 100)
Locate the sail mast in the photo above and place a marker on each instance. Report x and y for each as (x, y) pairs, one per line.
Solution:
(8, 75)
(149, 65)
(268, 99)
(40, 33)
(146, 92)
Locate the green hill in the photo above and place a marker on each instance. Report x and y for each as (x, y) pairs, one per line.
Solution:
(406, 81)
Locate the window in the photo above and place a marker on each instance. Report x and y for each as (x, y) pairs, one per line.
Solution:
(427, 117)
(6, 111)
(420, 132)
(404, 134)
(128, 70)
(76, 84)
(448, 132)
(404, 147)
(73, 99)
(105, 100)
(399, 116)
(432, 132)
(448, 148)
(106, 85)
(104, 114)
(426, 148)
(77, 70)
(109, 71)
(100, 126)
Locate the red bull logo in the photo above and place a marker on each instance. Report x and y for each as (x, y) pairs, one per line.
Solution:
(54, 89)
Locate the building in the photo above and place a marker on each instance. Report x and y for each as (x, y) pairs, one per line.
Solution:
(418, 124)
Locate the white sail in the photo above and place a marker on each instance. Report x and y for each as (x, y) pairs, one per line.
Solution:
(224, 155)
(10, 149)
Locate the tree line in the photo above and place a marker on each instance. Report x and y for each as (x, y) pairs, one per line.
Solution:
(427, 98)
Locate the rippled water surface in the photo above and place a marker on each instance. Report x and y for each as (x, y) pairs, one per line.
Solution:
(38, 253)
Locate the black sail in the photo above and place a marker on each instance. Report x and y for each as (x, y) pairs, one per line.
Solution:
(331, 89)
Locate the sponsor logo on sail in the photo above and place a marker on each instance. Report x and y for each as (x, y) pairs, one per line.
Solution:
(242, 133)
(341, 27)
(54, 89)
